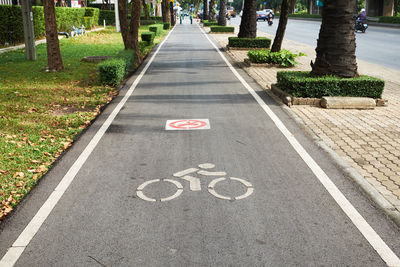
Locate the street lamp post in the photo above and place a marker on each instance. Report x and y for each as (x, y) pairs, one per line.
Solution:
(29, 36)
(117, 26)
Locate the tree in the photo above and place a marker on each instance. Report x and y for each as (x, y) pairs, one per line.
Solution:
(211, 14)
(165, 10)
(146, 10)
(54, 59)
(205, 9)
(248, 25)
(336, 45)
(130, 33)
(222, 13)
(280, 32)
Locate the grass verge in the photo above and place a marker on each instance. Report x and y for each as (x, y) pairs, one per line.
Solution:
(42, 113)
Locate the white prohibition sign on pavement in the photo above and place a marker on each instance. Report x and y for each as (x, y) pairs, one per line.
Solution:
(195, 185)
(358, 220)
(187, 124)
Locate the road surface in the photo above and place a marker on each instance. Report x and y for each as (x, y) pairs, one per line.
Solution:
(378, 45)
(241, 190)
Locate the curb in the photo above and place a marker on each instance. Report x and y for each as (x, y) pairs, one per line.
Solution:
(357, 178)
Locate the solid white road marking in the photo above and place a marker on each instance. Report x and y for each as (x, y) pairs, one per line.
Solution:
(140, 193)
(144, 197)
(194, 183)
(206, 166)
(142, 186)
(362, 225)
(215, 181)
(12, 255)
(185, 172)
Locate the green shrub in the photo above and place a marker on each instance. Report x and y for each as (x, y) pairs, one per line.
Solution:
(148, 37)
(147, 22)
(88, 22)
(283, 58)
(108, 16)
(210, 23)
(222, 29)
(166, 26)
(259, 42)
(67, 17)
(112, 71)
(11, 26)
(154, 18)
(93, 12)
(301, 84)
(387, 19)
(156, 28)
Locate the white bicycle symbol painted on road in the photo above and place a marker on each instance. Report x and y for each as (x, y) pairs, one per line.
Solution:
(195, 185)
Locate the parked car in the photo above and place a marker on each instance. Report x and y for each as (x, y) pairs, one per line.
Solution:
(261, 15)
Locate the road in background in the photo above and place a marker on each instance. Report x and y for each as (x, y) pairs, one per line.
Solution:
(378, 45)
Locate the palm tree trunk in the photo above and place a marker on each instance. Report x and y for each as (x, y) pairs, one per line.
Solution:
(211, 16)
(205, 9)
(145, 10)
(280, 32)
(248, 25)
(222, 13)
(54, 59)
(336, 47)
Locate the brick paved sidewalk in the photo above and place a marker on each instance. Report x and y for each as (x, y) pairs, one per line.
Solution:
(369, 140)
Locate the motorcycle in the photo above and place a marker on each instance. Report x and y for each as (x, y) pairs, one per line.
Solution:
(270, 21)
(361, 25)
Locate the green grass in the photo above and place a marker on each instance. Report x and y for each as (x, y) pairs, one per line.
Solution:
(42, 112)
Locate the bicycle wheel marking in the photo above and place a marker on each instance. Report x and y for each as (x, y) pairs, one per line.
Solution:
(213, 183)
(140, 194)
(188, 124)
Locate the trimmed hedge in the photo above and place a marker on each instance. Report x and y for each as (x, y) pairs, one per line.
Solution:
(259, 42)
(283, 58)
(112, 71)
(209, 24)
(93, 12)
(148, 37)
(222, 29)
(387, 19)
(301, 84)
(108, 16)
(157, 18)
(147, 22)
(11, 26)
(166, 25)
(156, 28)
(88, 22)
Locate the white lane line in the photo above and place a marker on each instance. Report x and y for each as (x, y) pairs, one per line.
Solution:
(362, 225)
(12, 255)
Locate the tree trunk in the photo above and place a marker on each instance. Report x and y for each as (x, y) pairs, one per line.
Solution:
(222, 13)
(211, 16)
(205, 10)
(146, 10)
(54, 59)
(292, 6)
(166, 14)
(123, 22)
(248, 25)
(336, 47)
(134, 29)
(280, 32)
(309, 6)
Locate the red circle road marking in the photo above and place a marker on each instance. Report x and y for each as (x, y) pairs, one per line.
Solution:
(187, 124)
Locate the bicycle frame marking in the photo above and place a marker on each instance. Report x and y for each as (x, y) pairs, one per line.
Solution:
(195, 184)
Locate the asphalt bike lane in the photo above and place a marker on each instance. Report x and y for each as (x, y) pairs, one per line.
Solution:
(192, 172)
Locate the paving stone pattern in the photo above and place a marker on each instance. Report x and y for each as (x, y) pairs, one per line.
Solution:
(369, 140)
